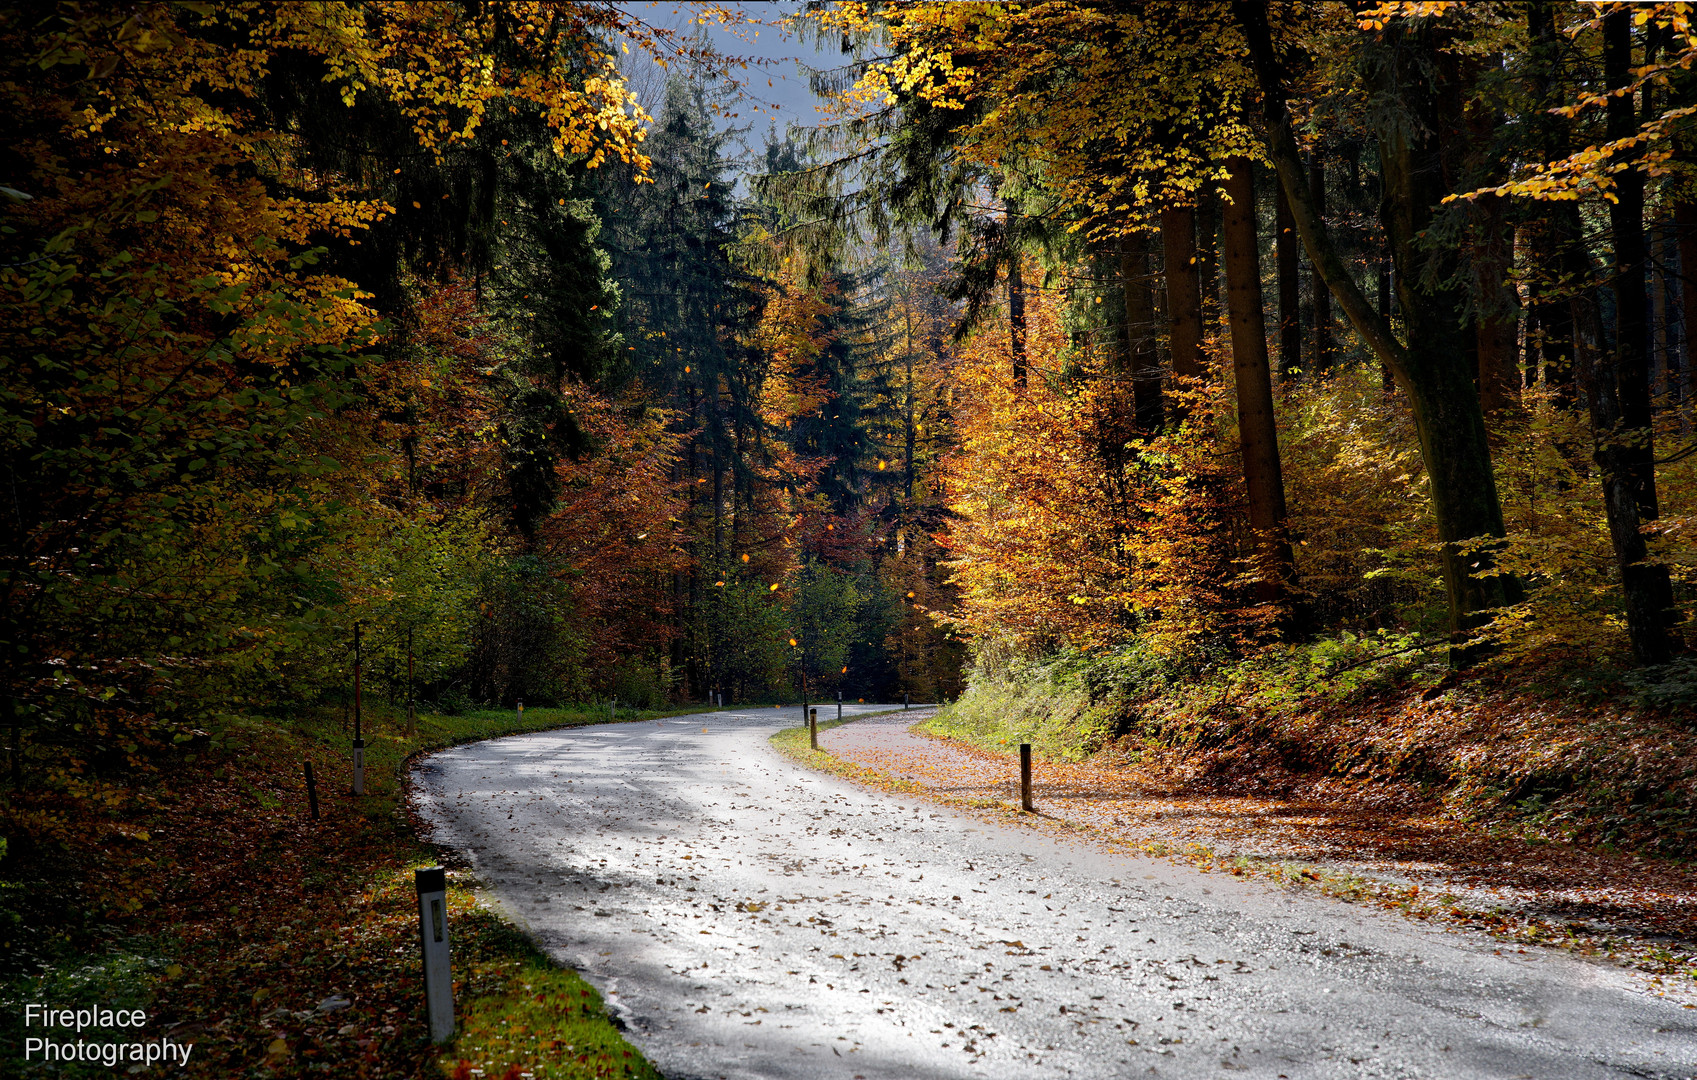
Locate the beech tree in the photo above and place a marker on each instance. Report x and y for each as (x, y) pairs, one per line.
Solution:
(1431, 368)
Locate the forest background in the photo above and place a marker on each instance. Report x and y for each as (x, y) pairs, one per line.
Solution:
(1260, 389)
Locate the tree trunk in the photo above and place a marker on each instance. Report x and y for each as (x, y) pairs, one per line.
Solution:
(1143, 364)
(1632, 316)
(1387, 382)
(1184, 294)
(1620, 399)
(1257, 429)
(1554, 250)
(1208, 258)
(1529, 359)
(1432, 369)
(1016, 322)
(1555, 240)
(717, 421)
(1439, 382)
(1320, 297)
(1661, 324)
(1286, 247)
(1016, 309)
(1638, 580)
(1499, 306)
(908, 422)
(1685, 226)
(1659, 243)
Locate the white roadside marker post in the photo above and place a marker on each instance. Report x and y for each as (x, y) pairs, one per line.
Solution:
(432, 884)
(521, 710)
(359, 743)
(839, 704)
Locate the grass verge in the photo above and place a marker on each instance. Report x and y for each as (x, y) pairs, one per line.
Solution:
(793, 743)
(274, 945)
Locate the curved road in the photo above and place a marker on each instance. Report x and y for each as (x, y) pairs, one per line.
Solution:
(746, 917)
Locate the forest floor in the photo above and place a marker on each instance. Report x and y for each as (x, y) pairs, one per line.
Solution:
(280, 946)
(1378, 844)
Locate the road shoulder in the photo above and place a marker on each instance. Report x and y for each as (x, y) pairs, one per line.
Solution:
(1641, 914)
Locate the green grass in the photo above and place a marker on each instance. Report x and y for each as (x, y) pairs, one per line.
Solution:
(529, 1014)
(793, 743)
(1061, 723)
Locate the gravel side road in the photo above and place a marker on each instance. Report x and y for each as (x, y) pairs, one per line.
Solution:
(746, 917)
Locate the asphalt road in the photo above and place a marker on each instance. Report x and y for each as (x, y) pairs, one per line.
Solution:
(746, 917)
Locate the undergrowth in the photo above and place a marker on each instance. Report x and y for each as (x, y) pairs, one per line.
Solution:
(1067, 706)
(1592, 757)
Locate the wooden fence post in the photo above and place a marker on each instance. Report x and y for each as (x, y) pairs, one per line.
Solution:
(1025, 778)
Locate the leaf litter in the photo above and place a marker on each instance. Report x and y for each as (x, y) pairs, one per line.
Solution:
(1377, 844)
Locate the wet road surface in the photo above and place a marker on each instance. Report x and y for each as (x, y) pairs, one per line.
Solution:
(746, 917)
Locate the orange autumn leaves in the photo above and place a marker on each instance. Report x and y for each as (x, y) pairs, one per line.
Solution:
(791, 336)
(1067, 529)
(614, 532)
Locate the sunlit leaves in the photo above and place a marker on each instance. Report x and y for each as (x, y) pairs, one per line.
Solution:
(1117, 108)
